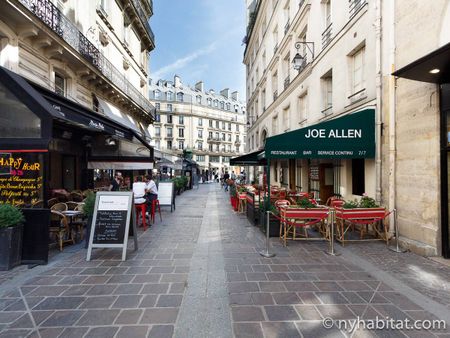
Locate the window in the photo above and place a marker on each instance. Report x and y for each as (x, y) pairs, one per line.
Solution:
(158, 106)
(229, 137)
(200, 121)
(236, 108)
(157, 94)
(275, 125)
(217, 148)
(327, 13)
(327, 84)
(229, 148)
(181, 132)
(181, 119)
(237, 138)
(158, 144)
(200, 158)
(217, 124)
(303, 108)
(169, 144)
(214, 159)
(237, 149)
(209, 101)
(228, 106)
(237, 128)
(169, 132)
(358, 71)
(210, 147)
(226, 159)
(169, 96)
(217, 136)
(210, 135)
(158, 131)
(222, 105)
(211, 123)
(181, 145)
(229, 126)
(200, 146)
(199, 99)
(169, 118)
(60, 85)
(180, 97)
(157, 117)
(200, 133)
(253, 141)
(216, 103)
(275, 85)
(358, 176)
(169, 107)
(223, 136)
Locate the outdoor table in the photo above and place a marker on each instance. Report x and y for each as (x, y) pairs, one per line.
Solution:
(70, 214)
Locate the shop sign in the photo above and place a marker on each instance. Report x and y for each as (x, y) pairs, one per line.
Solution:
(314, 173)
(21, 178)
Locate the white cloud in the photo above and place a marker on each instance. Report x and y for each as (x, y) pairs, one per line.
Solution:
(182, 62)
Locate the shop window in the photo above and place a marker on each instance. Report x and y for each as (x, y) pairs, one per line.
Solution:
(358, 176)
(60, 84)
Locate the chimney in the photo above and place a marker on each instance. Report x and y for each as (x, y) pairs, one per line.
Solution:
(200, 86)
(177, 81)
(235, 96)
(225, 93)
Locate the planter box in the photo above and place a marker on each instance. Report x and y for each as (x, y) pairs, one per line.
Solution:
(10, 247)
(252, 209)
(360, 213)
(274, 224)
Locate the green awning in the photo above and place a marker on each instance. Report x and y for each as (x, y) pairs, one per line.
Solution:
(349, 136)
(248, 159)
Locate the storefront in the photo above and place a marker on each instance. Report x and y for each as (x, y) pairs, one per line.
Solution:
(335, 157)
(435, 68)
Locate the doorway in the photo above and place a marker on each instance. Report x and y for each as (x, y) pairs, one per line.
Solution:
(445, 168)
(326, 181)
(68, 174)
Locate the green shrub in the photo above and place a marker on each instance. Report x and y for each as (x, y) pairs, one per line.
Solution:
(89, 204)
(10, 216)
(305, 203)
(367, 202)
(350, 204)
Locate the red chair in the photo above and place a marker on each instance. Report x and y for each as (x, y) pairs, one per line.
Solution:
(155, 204)
(141, 209)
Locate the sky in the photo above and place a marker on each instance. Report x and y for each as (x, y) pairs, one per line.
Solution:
(199, 40)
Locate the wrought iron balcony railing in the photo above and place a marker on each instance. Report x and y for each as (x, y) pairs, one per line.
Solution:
(355, 6)
(51, 16)
(327, 35)
(287, 81)
(144, 19)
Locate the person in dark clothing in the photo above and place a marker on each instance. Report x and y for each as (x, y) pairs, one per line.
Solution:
(116, 182)
(225, 179)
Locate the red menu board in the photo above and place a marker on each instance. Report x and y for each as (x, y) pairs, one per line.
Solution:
(21, 178)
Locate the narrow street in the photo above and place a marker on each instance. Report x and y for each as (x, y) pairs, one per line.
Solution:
(198, 273)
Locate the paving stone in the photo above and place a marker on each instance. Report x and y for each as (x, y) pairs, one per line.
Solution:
(277, 276)
(76, 290)
(241, 299)
(248, 330)
(132, 331)
(100, 302)
(101, 332)
(177, 288)
(94, 271)
(15, 333)
(159, 316)
(98, 317)
(306, 276)
(331, 298)
(59, 303)
(162, 269)
(16, 305)
(327, 286)
(281, 313)
(129, 317)
(353, 297)
(40, 316)
(286, 298)
(280, 329)
(169, 301)
(155, 288)
(316, 329)
(48, 291)
(300, 286)
(308, 312)
(174, 277)
(63, 318)
(148, 301)
(128, 289)
(236, 276)
(120, 279)
(355, 286)
(149, 278)
(337, 311)
(72, 280)
(161, 331)
(127, 301)
(50, 332)
(400, 300)
(272, 286)
(247, 314)
(74, 332)
(261, 298)
(236, 287)
(96, 280)
(261, 268)
(22, 322)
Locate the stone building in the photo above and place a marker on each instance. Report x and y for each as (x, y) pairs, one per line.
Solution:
(86, 63)
(337, 59)
(210, 124)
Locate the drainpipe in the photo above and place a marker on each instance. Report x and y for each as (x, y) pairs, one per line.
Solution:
(392, 115)
(378, 83)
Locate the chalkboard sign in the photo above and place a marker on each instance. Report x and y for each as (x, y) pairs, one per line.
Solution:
(111, 221)
(166, 194)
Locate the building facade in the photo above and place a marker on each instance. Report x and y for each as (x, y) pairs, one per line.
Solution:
(210, 124)
(85, 64)
(337, 75)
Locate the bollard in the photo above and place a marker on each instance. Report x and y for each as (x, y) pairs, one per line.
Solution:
(331, 251)
(266, 253)
(397, 247)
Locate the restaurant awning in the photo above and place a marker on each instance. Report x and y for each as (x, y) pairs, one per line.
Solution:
(116, 165)
(250, 159)
(349, 136)
(433, 67)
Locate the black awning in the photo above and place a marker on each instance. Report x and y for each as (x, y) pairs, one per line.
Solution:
(250, 159)
(75, 114)
(434, 67)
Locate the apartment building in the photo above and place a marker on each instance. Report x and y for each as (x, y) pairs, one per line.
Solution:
(210, 124)
(309, 62)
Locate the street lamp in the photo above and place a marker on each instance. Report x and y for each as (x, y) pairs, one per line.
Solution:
(299, 61)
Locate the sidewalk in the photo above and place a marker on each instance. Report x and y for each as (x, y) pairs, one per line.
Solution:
(198, 274)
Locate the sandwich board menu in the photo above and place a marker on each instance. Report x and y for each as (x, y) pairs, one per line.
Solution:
(166, 194)
(113, 213)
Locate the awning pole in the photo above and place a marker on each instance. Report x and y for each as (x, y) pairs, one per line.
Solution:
(268, 184)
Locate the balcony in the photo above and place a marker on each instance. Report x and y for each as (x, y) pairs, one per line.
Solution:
(144, 21)
(287, 81)
(275, 49)
(275, 95)
(214, 139)
(327, 35)
(52, 17)
(286, 27)
(355, 6)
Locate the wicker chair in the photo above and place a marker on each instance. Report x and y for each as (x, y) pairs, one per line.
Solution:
(59, 227)
(75, 196)
(59, 207)
(51, 202)
(72, 205)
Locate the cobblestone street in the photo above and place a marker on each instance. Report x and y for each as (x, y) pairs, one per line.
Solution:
(198, 273)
